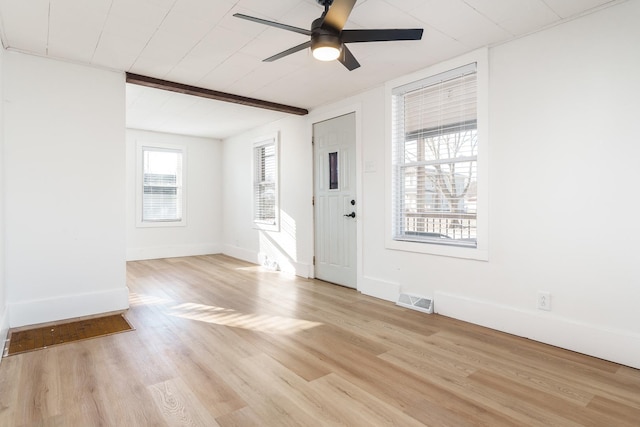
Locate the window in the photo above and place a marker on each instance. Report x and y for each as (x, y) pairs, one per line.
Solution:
(435, 143)
(161, 202)
(265, 183)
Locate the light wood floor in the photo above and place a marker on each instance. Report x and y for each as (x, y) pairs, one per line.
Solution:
(221, 342)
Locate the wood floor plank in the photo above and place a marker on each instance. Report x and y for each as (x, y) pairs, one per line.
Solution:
(205, 383)
(256, 387)
(542, 402)
(39, 384)
(80, 383)
(369, 372)
(244, 417)
(123, 384)
(179, 406)
(298, 392)
(629, 372)
(352, 406)
(623, 415)
(515, 369)
(452, 391)
(577, 372)
(440, 414)
(287, 353)
(220, 341)
(10, 403)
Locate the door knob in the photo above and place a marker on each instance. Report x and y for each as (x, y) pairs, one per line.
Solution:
(352, 215)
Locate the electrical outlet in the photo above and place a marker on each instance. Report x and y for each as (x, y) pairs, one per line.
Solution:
(544, 300)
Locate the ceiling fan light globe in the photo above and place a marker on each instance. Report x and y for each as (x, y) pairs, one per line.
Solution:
(326, 53)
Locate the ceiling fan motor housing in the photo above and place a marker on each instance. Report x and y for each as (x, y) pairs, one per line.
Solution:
(324, 3)
(324, 36)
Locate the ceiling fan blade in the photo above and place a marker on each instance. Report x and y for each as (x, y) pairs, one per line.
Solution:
(273, 24)
(338, 13)
(288, 51)
(359, 36)
(347, 59)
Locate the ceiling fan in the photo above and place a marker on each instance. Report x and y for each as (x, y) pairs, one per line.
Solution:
(328, 37)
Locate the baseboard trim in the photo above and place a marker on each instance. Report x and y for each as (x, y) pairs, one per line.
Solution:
(302, 269)
(378, 288)
(171, 251)
(67, 307)
(240, 253)
(614, 345)
(4, 329)
(285, 265)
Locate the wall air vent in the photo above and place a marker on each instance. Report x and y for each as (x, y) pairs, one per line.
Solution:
(415, 302)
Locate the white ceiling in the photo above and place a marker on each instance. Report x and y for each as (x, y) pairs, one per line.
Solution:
(200, 43)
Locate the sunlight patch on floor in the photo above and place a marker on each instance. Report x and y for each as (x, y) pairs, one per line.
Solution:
(141, 299)
(284, 276)
(259, 268)
(229, 317)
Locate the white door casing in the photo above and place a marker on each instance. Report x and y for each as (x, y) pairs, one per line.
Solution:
(335, 200)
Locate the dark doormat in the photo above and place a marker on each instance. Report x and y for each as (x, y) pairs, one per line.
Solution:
(62, 333)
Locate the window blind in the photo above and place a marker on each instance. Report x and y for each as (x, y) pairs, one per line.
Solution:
(162, 185)
(434, 159)
(264, 186)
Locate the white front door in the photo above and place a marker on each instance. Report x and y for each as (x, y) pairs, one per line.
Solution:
(335, 201)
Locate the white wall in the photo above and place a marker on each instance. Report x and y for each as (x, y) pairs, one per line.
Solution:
(292, 246)
(202, 233)
(65, 189)
(563, 186)
(4, 312)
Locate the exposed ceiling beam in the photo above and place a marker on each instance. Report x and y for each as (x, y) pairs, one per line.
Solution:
(212, 94)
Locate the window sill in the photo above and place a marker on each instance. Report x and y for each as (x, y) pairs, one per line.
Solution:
(266, 227)
(161, 224)
(439, 250)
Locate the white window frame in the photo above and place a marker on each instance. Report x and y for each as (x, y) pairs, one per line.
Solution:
(258, 144)
(481, 251)
(140, 147)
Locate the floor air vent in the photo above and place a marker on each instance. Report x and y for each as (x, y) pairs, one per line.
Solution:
(416, 302)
